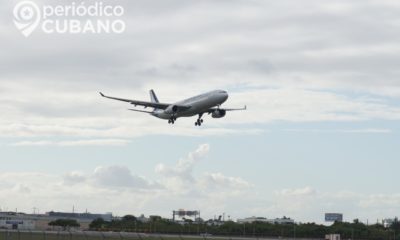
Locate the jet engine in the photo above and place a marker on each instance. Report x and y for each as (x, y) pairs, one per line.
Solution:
(218, 113)
(171, 109)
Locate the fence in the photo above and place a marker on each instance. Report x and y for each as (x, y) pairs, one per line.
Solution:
(92, 235)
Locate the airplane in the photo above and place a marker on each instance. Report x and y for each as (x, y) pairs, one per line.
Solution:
(209, 102)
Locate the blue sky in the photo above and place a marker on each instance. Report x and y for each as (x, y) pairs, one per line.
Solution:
(320, 134)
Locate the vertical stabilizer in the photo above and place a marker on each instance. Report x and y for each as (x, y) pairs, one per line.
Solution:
(153, 96)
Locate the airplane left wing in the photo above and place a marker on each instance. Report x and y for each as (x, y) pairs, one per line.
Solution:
(140, 103)
(155, 105)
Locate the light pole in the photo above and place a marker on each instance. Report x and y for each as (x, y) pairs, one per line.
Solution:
(352, 234)
(294, 230)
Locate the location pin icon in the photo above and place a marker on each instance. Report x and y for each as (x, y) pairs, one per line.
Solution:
(26, 17)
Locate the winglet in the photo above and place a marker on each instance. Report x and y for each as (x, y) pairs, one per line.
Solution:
(101, 94)
(245, 107)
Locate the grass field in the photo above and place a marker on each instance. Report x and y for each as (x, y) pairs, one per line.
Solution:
(37, 235)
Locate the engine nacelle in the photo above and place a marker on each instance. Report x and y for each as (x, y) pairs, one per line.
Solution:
(171, 109)
(218, 113)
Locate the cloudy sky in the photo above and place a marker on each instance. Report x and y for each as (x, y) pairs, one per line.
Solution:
(321, 133)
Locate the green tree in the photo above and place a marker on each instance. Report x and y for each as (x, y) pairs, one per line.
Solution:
(128, 218)
(65, 223)
(395, 225)
(97, 224)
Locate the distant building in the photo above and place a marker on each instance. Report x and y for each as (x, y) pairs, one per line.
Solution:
(13, 220)
(333, 217)
(87, 216)
(332, 237)
(17, 224)
(283, 220)
(199, 220)
(143, 219)
(387, 222)
(155, 218)
(252, 219)
(214, 222)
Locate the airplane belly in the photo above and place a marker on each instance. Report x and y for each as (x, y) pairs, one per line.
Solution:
(199, 107)
(188, 113)
(162, 115)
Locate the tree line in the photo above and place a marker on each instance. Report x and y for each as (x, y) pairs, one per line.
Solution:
(354, 230)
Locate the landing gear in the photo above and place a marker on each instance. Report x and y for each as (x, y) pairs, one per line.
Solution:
(172, 120)
(199, 120)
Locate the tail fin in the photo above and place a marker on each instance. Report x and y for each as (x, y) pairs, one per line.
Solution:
(153, 97)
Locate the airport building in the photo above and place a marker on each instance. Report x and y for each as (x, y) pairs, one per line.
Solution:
(332, 237)
(13, 220)
(283, 220)
(78, 216)
(17, 224)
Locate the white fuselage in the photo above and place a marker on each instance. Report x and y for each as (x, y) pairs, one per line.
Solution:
(198, 104)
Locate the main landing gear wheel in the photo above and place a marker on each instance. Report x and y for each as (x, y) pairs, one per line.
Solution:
(199, 121)
(172, 120)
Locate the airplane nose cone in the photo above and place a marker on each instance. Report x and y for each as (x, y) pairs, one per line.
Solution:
(225, 96)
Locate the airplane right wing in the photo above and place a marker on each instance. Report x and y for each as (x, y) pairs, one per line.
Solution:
(225, 109)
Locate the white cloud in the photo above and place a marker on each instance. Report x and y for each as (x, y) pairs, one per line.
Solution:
(110, 177)
(124, 128)
(21, 188)
(184, 167)
(308, 204)
(301, 105)
(74, 177)
(363, 130)
(119, 176)
(111, 120)
(369, 130)
(220, 182)
(306, 191)
(110, 186)
(374, 201)
(74, 143)
(181, 180)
